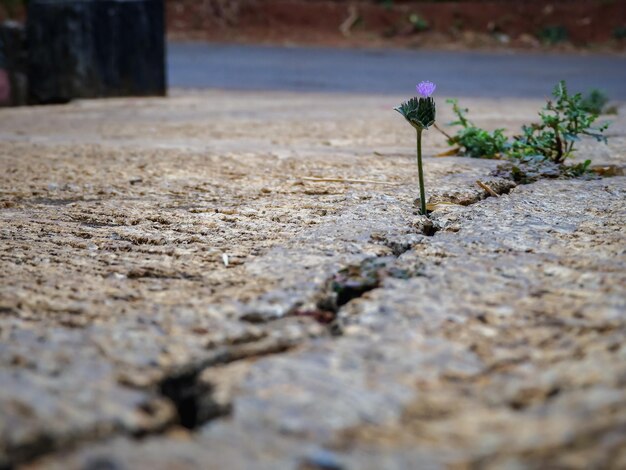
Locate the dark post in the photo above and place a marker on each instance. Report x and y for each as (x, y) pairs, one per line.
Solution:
(12, 64)
(95, 48)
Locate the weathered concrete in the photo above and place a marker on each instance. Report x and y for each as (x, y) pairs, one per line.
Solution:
(497, 341)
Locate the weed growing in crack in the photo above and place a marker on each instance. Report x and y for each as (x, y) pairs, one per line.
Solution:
(563, 121)
(473, 141)
(420, 113)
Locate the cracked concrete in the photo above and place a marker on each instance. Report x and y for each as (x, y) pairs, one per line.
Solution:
(120, 318)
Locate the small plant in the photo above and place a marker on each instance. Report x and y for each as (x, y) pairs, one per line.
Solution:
(551, 35)
(473, 141)
(580, 169)
(563, 121)
(418, 23)
(595, 101)
(620, 32)
(420, 113)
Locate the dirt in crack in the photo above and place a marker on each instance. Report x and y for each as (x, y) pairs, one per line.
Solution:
(355, 280)
(194, 397)
(191, 398)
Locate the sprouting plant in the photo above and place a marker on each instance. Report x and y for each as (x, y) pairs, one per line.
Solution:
(563, 121)
(473, 141)
(578, 169)
(595, 101)
(420, 113)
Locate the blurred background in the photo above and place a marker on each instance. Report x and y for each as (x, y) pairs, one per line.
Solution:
(524, 24)
(52, 51)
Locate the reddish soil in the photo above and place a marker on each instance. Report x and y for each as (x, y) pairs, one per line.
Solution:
(527, 24)
(524, 24)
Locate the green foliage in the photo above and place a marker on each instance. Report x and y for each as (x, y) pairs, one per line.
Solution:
(620, 32)
(474, 141)
(595, 101)
(563, 121)
(577, 170)
(419, 24)
(553, 34)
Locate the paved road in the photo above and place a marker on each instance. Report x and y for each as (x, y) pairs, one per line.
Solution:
(199, 65)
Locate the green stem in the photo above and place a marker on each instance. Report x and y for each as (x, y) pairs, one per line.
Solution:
(420, 172)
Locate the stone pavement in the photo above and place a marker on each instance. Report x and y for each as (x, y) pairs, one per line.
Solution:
(174, 293)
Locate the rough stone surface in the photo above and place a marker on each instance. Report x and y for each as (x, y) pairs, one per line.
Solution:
(169, 274)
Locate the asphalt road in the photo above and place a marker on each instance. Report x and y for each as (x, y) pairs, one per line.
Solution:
(478, 74)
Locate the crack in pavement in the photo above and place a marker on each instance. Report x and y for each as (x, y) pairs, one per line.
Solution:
(191, 404)
(115, 301)
(443, 356)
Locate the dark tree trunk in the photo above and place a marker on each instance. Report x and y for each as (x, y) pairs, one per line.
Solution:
(95, 48)
(13, 61)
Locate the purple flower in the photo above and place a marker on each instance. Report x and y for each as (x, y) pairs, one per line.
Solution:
(426, 88)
